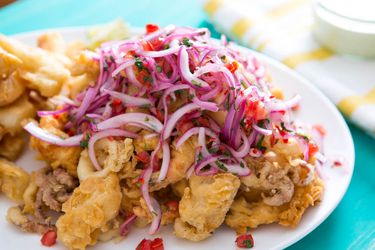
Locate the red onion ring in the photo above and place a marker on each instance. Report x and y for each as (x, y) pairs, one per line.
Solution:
(45, 136)
(145, 120)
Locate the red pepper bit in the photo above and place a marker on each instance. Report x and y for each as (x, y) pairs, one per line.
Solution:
(337, 163)
(245, 241)
(49, 238)
(150, 28)
(321, 130)
(172, 205)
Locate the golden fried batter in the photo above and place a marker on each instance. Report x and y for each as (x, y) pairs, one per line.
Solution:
(92, 205)
(245, 214)
(181, 160)
(42, 70)
(56, 156)
(11, 146)
(204, 205)
(13, 180)
(19, 110)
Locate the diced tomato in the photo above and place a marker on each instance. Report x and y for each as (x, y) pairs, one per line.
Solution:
(183, 126)
(145, 244)
(159, 115)
(245, 241)
(143, 157)
(49, 238)
(313, 149)
(203, 122)
(233, 66)
(156, 244)
(337, 163)
(321, 130)
(255, 110)
(172, 205)
(147, 46)
(151, 28)
(142, 76)
(296, 107)
(116, 102)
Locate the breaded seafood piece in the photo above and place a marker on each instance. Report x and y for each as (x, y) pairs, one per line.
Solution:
(56, 156)
(84, 73)
(181, 160)
(42, 70)
(88, 211)
(112, 155)
(11, 146)
(13, 180)
(12, 86)
(20, 110)
(204, 205)
(245, 214)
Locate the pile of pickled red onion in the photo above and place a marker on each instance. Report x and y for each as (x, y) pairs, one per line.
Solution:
(206, 76)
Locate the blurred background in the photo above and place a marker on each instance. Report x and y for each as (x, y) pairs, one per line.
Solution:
(283, 29)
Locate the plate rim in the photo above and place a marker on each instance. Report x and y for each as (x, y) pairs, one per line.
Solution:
(81, 30)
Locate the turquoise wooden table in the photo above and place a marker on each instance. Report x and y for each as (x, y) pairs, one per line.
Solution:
(350, 226)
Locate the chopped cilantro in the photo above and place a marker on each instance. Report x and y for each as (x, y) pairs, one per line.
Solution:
(213, 150)
(166, 46)
(221, 166)
(196, 83)
(147, 78)
(186, 42)
(248, 243)
(284, 128)
(200, 156)
(223, 57)
(85, 143)
(259, 144)
(158, 68)
(111, 58)
(243, 84)
(138, 63)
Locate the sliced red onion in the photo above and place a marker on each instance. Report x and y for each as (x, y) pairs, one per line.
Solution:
(166, 159)
(156, 221)
(45, 136)
(122, 67)
(211, 106)
(244, 149)
(206, 161)
(262, 130)
(165, 30)
(194, 131)
(53, 112)
(128, 100)
(283, 105)
(131, 77)
(145, 120)
(238, 169)
(102, 134)
(160, 53)
(171, 123)
(87, 100)
(211, 67)
(185, 70)
(124, 228)
(151, 135)
(213, 93)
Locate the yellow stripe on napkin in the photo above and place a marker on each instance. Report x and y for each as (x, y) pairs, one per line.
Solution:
(297, 59)
(212, 6)
(350, 103)
(241, 26)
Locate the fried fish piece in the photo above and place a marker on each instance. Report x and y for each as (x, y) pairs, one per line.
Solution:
(182, 159)
(20, 110)
(244, 214)
(204, 205)
(42, 70)
(13, 180)
(12, 86)
(56, 156)
(92, 205)
(12, 146)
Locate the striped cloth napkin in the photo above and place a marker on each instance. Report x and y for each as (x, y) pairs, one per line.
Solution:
(282, 30)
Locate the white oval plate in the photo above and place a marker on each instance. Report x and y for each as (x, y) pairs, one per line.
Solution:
(315, 109)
